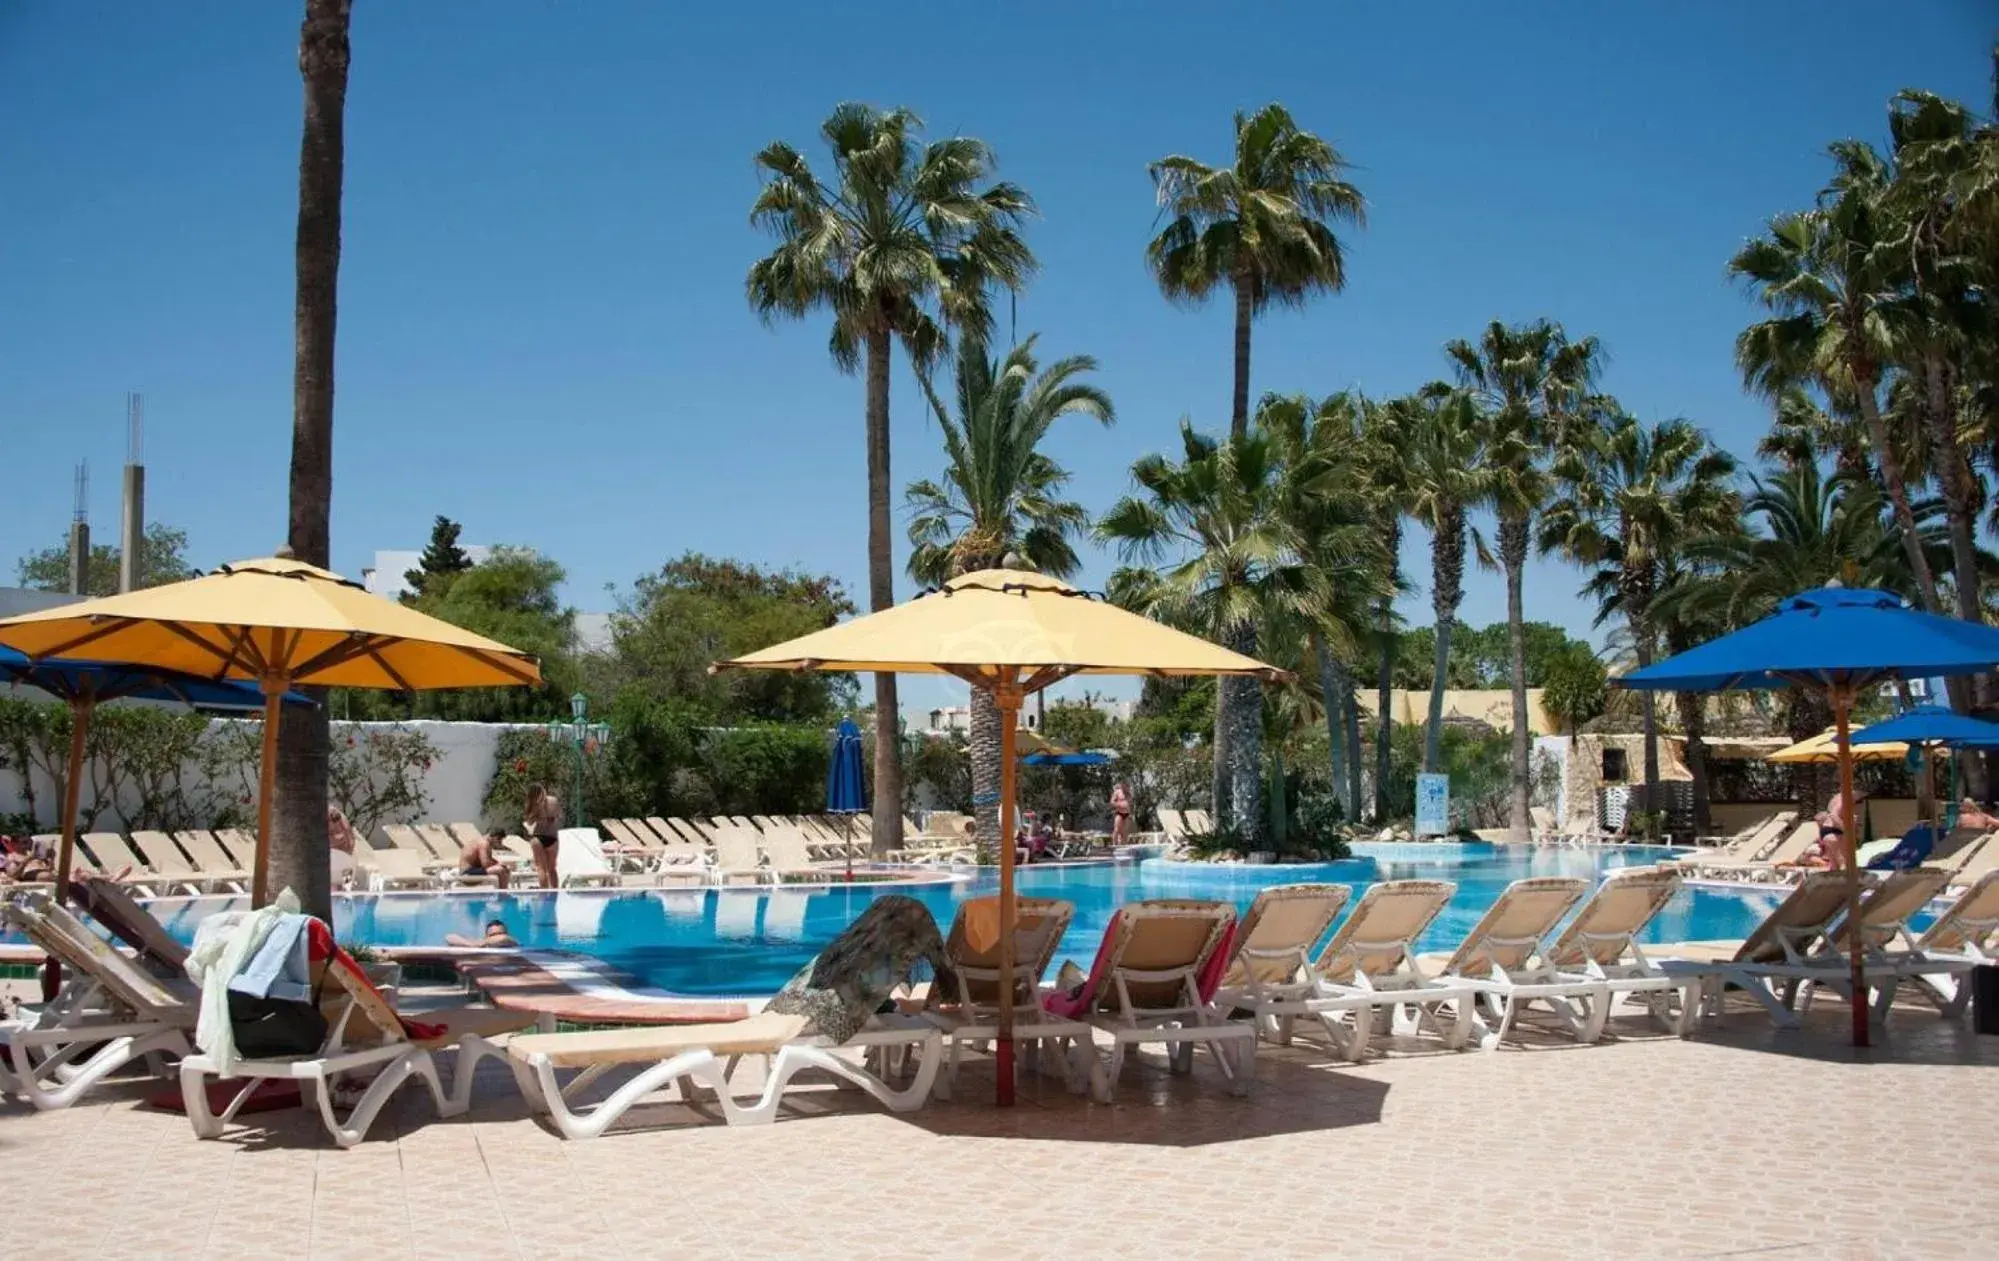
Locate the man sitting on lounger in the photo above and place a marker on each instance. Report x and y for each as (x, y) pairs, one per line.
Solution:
(477, 858)
(497, 938)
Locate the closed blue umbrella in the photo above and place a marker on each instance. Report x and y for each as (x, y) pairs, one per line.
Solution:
(845, 778)
(83, 685)
(1834, 640)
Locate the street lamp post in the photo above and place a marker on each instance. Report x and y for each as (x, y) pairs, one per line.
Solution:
(584, 738)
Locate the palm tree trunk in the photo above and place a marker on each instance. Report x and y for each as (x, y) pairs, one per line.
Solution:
(881, 595)
(1350, 717)
(300, 859)
(1384, 696)
(1513, 558)
(1960, 497)
(1693, 721)
(1330, 693)
(1641, 634)
(1218, 761)
(1446, 589)
(1239, 402)
(985, 752)
(1898, 491)
(1245, 756)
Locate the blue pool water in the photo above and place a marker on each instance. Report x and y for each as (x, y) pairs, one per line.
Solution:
(743, 941)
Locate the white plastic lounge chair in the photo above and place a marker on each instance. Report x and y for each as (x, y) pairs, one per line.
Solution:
(1601, 943)
(1745, 847)
(177, 873)
(971, 1017)
(108, 1013)
(580, 861)
(402, 836)
(631, 850)
(1967, 931)
(1788, 850)
(1501, 959)
(1368, 973)
(214, 862)
(1884, 920)
(704, 1055)
(1199, 821)
(1269, 972)
(395, 868)
(1172, 825)
(366, 1035)
(1976, 864)
(788, 859)
(111, 904)
(736, 856)
(1143, 988)
(113, 855)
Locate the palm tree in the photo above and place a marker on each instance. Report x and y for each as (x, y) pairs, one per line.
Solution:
(1827, 276)
(1000, 496)
(1528, 379)
(901, 244)
(298, 849)
(1379, 445)
(1229, 561)
(1632, 496)
(1326, 497)
(1262, 226)
(1443, 458)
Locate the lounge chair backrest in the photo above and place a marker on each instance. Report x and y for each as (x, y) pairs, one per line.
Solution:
(1797, 921)
(1509, 935)
(688, 832)
(404, 837)
(207, 852)
(1379, 935)
(394, 862)
(1957, 848)
(1616, 913)
(736, 849)
(52, 927)
(1764, 835)
(973, 945)
(79, 858)
(440, 841)
(1795, 843)
(1171, 823)
(1199, 822)
(112, 852)
(111, 905)
(162, 855)
(946, 823)
(1979, 863)
(1543, 819)
(1970, 923)
(1274, 940)
(241, 843)
(1160, 945)
(1885, 909)
(785, 848)
(643, 835)
(465, 834)
(617, 830)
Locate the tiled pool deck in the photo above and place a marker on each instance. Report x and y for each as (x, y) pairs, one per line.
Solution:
(1743, 1140)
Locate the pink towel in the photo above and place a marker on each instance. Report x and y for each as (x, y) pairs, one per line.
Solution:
(1217, 965)
(1074, 1004)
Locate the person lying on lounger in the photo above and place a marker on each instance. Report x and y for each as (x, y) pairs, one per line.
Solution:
(25, 869)
(858, 972)
(1829, 851)
(477, 858)
(497, 938)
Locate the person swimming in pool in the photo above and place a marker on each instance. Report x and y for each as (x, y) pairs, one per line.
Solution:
(497, 938)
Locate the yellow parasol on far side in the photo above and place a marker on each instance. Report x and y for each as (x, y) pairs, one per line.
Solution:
(1011, 634)
(283, 624)
(1823, 749)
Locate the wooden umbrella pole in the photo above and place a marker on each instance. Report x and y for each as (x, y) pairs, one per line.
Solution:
(72, 790)
(1006, 698)
(267, 778)
(1842, 701)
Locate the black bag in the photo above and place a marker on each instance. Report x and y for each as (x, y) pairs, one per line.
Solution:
(267, 1028)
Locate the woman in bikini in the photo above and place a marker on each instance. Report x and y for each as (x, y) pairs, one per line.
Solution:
(543, 824)
(1120, 814)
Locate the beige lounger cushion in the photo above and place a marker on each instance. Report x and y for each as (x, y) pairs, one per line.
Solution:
(1281, 919)
(1372, 938)
(760, 1034)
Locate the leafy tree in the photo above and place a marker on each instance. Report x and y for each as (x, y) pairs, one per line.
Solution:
(900, 243)
(442, 561)
(162, 559)
(697, 610)
(1000, 495)
(1528, 379)
(1481, 656)
(1262, 227)
(1573, 686)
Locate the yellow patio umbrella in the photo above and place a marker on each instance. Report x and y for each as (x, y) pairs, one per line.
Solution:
(1823, 748)
(1012, 634)
(281, 623)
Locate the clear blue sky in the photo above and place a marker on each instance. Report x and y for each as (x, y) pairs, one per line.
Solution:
(542, 327)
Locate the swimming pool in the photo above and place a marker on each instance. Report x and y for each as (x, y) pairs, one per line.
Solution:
(744, 941)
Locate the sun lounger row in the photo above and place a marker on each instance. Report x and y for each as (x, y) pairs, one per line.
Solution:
(192, 862)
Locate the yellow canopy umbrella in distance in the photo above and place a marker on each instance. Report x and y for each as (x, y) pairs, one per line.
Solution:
(1010, 633)
(1823, 749)
(282, 623)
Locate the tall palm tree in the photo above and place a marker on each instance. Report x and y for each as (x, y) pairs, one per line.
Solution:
(901, 244)
(1327, 499)
(1000, 495)
(1444, 462)
(1632, 496)
(1827, 276)
(1528, 379)
(1228, 560)
(298, 847)
(1261, 226)
(1379, 445)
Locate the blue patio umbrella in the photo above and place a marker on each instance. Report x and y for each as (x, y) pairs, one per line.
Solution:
(1933, 726)
(1835, 640)
(845, 793)
(1087, 757)
(83, 685)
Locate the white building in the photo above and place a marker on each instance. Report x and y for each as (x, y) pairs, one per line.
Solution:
(385, 577)
(958, 718)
